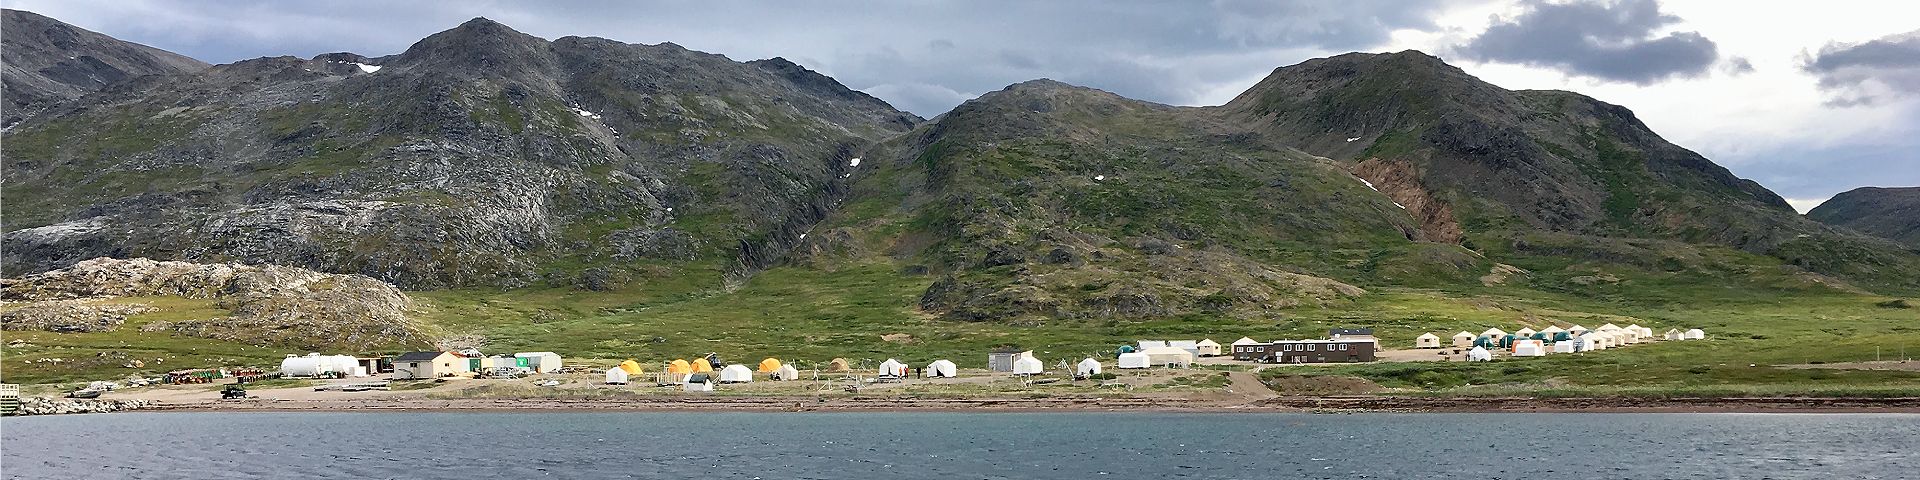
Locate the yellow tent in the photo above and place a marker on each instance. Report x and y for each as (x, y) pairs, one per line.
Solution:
(838, 365)
(769, 365)
(700, 365)
(630, 366)
(679, 367)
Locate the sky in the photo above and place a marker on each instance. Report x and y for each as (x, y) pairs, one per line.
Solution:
(1808, 98)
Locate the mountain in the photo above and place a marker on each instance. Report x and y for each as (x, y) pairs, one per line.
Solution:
(1892, 213)
(47, 61)
(480, 156)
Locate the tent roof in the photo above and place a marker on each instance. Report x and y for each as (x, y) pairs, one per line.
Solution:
(1429, 335)
(1208, 343)
(1577, 327)
(1551, 329)
(1463, 334)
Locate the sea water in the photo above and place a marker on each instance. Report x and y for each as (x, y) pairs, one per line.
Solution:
(916, 445)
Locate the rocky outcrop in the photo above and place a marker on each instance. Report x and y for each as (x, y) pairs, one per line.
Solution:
(60, 406)
(1890, 213)
(47, 61)
(268, 304)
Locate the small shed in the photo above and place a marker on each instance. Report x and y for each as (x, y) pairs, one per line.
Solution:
(1529, 348)
(1463, 339)
(698, 382)
(1696, 334)
(1028, 365)
(1087, 367)
(1427, 340)
(942, 369)
(616, 376)
(1209, 348)
(1479, 354)
(786, 373)
(679, 367)
(893, 369)
(1134, 360)
(1001, 359)
(540, 362)
(736, 373)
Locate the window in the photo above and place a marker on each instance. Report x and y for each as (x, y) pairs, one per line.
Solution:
(1313, 348)
(1343, 347)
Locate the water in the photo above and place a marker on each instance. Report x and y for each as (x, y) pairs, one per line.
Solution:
(959, 445)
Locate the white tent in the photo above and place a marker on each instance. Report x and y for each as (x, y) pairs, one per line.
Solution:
(1630, 335)
(1577, 330)
(1550, 330)
(1674, 334)
(1609, 327)
(786, 373)
(1169, 356)
(1494, 332)
(1027, 365)
(616, 376)
(893, 368)
(736, 373)
(1146, 344)
(1639, 331)
(1209, 348)
(1529, 348)
(1427, 340)
(1696, 334)
(1526, 332)
(942, 369)
(1087, 367)
(1463, 339)
(1479, 354)
(1594, 341)
(1134, 360)
(1563, 346)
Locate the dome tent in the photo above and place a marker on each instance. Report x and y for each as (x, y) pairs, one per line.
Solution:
(701, 365)
(1529, 348)
(893, 368)
(1088, 367)
(769, 365)
(616, 376)
(631, 367)
(1028, 365)
(786, 374)
(1696, 334)
(1563, 346)
(1427, 340)
(736, 373)
(838, 365)
(942, 369)
(1463, 339)
(1134, 360)
(679, 367)
(1479, 354)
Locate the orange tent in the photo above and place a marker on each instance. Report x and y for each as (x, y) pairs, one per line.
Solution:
(838, 365)
(700, 365)
(769, 365)
(679, 367)
(630, 366)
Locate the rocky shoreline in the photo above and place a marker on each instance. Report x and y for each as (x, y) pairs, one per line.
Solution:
(61, 406)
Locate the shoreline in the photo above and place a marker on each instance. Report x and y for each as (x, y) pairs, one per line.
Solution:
(1317, 404)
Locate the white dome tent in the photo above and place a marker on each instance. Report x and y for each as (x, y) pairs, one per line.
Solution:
(736, 373)
(1696, 334)
(1427, 340)
(1086, 368)
(1563, 346)
(1028, 365)
(1479, 354)
(893, 369)
(616, 376)
(1529, 348)
(786, 373)
(942, 369)
(1134, 360)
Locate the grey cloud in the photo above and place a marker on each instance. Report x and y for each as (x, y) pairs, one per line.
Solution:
(1607, 40)
(1738, 66)
(1869, 72)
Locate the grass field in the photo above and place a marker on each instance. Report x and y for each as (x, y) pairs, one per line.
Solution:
(866, 313)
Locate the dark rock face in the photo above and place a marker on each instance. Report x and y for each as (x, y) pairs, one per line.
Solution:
(480, 156)
(1891, 213)
(47, 62)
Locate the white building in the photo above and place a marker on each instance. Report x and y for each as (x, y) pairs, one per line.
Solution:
(1134, 360)
(1209, 348)
(1463, 339)
(541, 362)
(1427, 340)
(1169, 357)
(428, 365)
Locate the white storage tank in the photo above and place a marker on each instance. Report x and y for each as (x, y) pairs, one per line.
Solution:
(314, 365)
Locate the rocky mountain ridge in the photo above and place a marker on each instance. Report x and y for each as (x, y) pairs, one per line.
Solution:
(47, 61)
(1891, 213)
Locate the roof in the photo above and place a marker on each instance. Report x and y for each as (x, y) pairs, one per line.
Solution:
(1462, 334)
(1208, 343)
(418, 356)
(1245, 341)
(1428, 334)
(535, 354)
(1350, 331)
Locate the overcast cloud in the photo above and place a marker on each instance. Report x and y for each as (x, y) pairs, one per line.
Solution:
(1705, 74)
